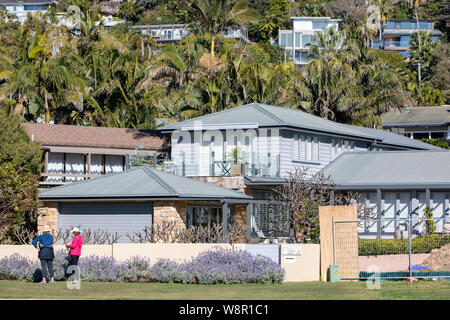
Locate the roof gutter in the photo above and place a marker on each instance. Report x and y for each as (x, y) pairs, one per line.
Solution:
(144, 198)
(416, 124)
(400, 186)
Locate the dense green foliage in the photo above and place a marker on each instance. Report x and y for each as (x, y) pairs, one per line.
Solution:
(425, 244)
(438, 143)
(121, 78)
(20, 167)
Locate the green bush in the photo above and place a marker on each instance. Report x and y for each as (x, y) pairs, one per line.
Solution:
(425, 244)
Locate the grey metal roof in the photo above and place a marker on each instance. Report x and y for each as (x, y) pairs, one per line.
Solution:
(142, 183)
(261, 115)
(263, 181)
(390, 170)
(393, 139)
(417, 116)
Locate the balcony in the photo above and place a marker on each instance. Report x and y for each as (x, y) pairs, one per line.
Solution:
(261, 166)
(176, 32)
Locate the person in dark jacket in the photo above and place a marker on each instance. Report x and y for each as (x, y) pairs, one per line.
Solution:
(44, 245)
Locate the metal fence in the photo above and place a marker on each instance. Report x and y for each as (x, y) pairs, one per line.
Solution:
(392, 248)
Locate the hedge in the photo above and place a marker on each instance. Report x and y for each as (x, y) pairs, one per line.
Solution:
(425, 244)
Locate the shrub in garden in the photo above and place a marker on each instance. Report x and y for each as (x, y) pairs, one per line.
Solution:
(167, 271)
(60, 265)
(228, 266)
(210, 267)
(425, 244)
(96, 268)
(136, 269)
(17, 267)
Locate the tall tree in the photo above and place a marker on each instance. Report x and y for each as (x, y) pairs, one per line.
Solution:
(415, 4)
(211, 16)
(20, 167)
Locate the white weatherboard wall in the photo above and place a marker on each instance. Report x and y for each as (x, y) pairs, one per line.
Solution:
(401, 205)
(326, 152)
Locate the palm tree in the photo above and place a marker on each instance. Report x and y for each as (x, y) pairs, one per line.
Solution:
(385, 9)
(415, 4)
(211, 16)
(348, 82)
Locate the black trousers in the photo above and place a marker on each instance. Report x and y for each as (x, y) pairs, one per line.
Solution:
(47, 264)
(73, 261)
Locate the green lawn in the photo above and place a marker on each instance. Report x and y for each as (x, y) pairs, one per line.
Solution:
(306, 290)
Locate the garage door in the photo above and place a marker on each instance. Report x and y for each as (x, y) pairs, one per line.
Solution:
(115, 217)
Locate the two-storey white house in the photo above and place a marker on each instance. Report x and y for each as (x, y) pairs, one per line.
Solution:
(252, 148)
(268, 141)
(296, 41)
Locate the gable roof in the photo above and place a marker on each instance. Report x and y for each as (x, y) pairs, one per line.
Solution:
(140, 183)
(390, 170)
(97, 137)
(255, 115)
(417, 116)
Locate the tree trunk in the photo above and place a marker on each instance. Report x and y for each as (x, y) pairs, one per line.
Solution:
(417, 27)
(47, 111)
(380, 37)
(213, 40)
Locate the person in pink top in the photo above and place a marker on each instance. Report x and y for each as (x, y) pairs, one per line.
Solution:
(75, 247)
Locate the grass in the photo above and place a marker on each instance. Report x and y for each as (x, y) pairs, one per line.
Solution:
(429, 290)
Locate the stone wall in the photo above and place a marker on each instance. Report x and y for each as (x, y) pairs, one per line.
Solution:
(47, 219)
(231, 182)
(170, 211)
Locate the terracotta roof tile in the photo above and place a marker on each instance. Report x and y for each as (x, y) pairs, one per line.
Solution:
(97, 137)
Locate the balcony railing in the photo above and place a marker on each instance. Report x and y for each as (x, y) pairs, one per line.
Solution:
(260, 166)
(255, 166)
(394, 44)
(179, 31)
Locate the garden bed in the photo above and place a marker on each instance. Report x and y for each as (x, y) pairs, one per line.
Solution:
(217, 266)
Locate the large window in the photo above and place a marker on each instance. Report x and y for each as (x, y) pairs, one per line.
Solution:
(205, 215)
(306, 39)
(34, 7)
(286, 40)
(319, 25)
(305, 148)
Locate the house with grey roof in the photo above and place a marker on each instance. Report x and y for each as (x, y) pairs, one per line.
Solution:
(128, 203)
(252, 148)
(74, 153)
(396, 185)
(268, 141)
(419, 122)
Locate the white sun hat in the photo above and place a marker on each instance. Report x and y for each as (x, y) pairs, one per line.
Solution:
(75, 230)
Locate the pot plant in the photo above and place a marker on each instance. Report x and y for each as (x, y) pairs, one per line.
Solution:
(234, 158)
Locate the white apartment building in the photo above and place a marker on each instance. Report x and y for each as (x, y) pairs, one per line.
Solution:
(296, 41)
(21, 9)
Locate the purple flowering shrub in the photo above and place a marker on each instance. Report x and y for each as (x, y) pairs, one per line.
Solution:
(17, 267)
(166, 271)
(216, 266)
(96, 268)
(136, 269)
(227, 266)
(60, 265)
